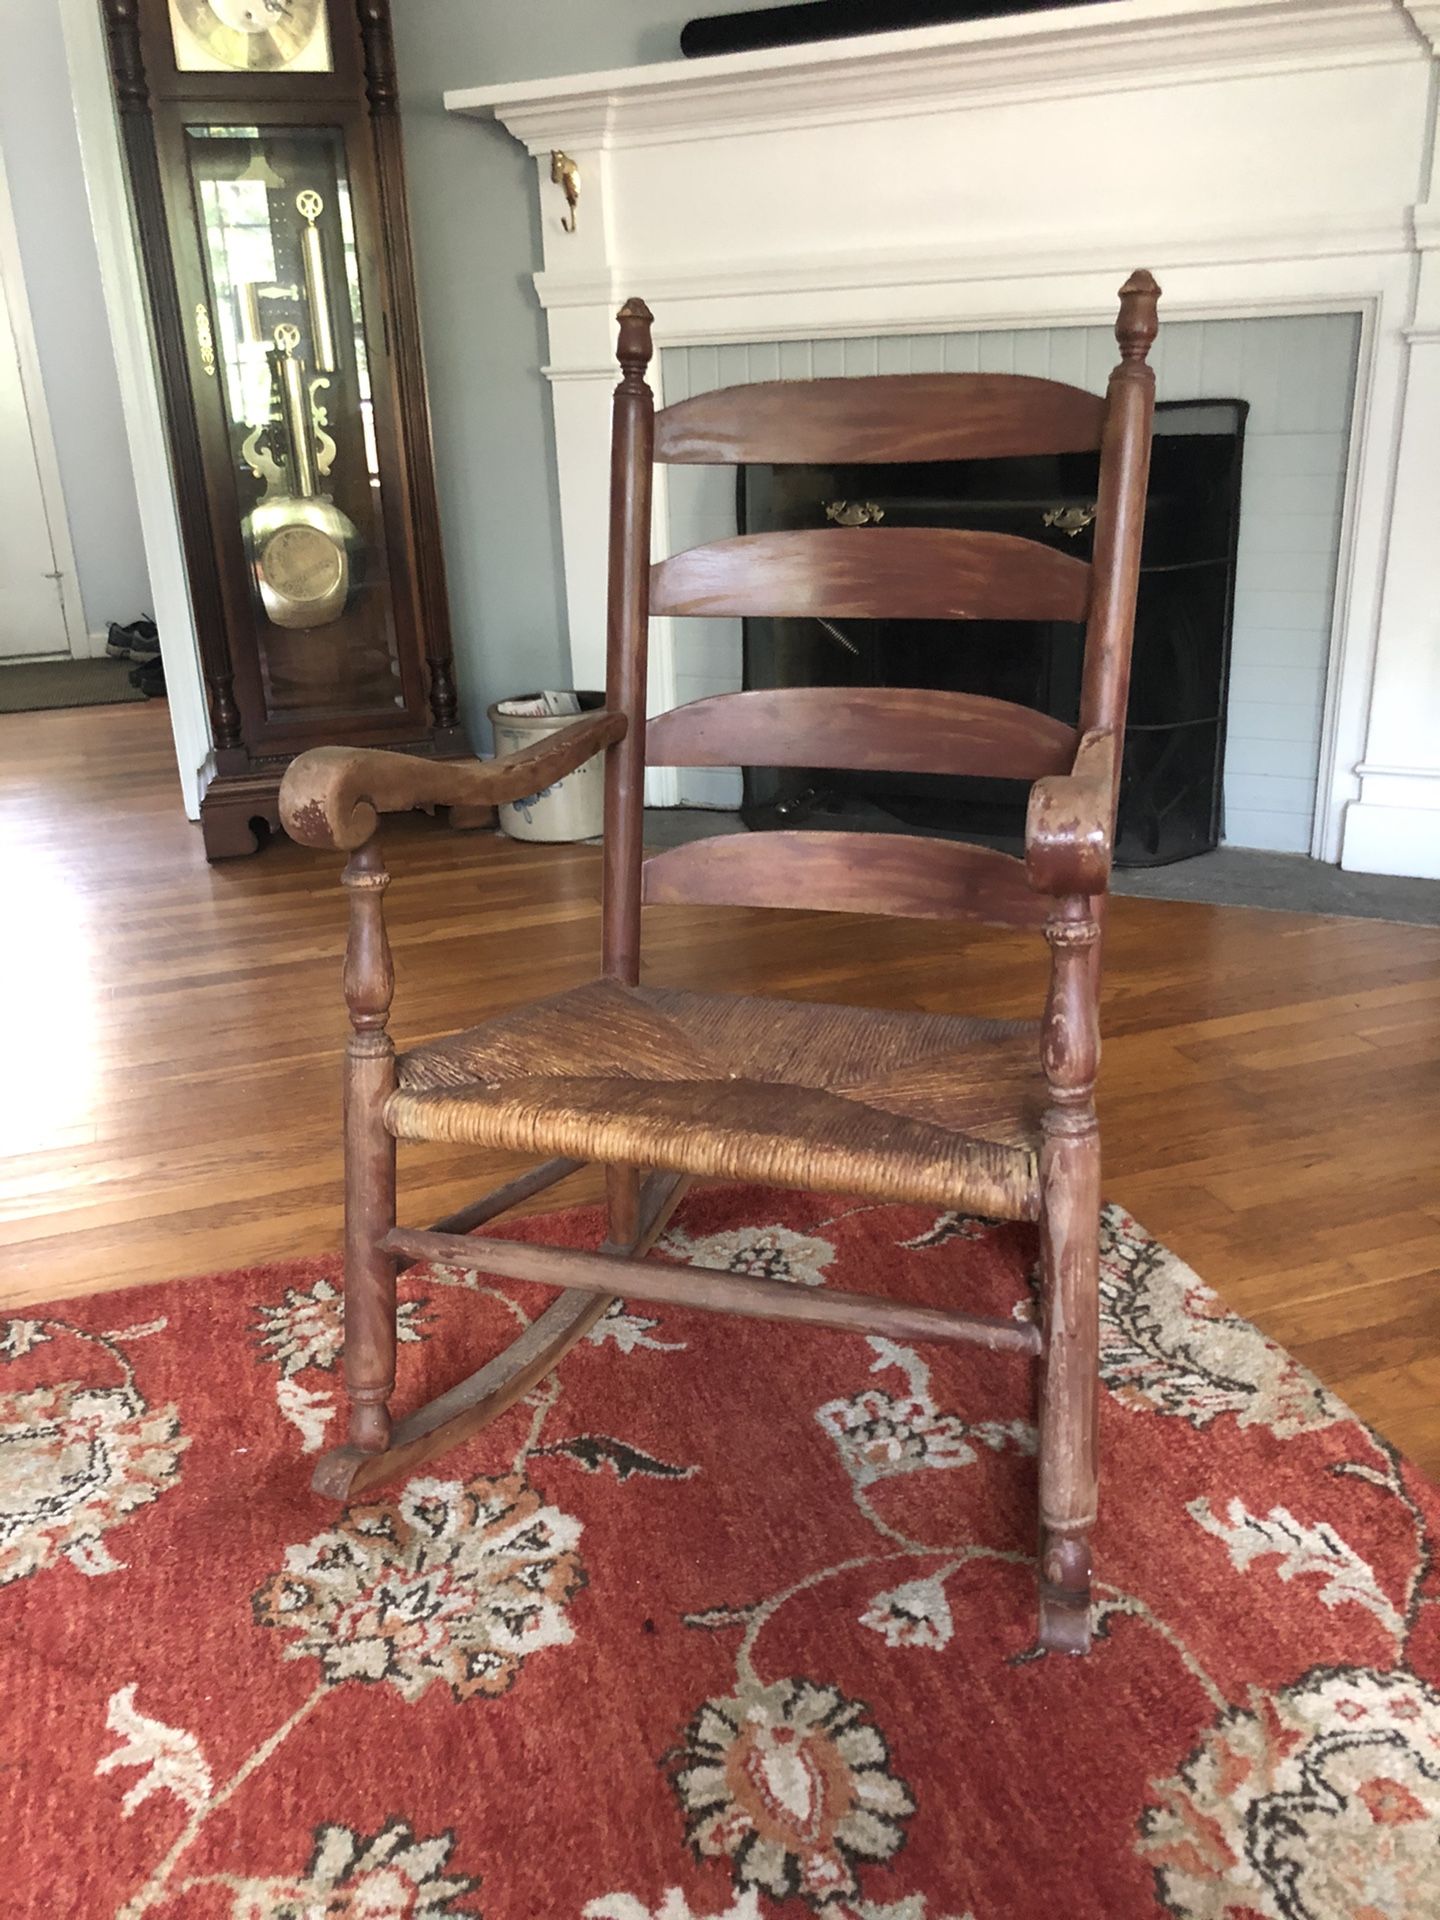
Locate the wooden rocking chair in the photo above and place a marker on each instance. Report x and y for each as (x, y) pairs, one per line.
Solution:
(995, 1117)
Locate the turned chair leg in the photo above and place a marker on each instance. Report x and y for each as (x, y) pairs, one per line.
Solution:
(369, 1357)
(622, 1206)
(1069, 1387)
(1070, 1283)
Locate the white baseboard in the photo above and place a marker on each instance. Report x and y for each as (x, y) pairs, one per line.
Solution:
(1398, 840)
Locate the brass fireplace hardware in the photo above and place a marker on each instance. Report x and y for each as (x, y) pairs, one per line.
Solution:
(310, 206)
(835, 634)
(1071, 520)
(566, 173)
(854, 513)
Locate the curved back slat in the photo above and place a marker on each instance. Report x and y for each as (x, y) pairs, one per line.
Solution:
(889, 729)
(890, 873)
(889, 417)
(873, 573)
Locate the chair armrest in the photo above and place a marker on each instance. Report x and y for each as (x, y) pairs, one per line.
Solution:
(1069, 828)
(333, 796)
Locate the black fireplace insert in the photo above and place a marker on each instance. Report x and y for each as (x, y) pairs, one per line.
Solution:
(1170, 797)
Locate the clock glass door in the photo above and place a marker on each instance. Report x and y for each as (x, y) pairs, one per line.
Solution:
(286, 394)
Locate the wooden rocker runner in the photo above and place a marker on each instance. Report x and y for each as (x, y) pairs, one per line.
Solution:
(989, 1116)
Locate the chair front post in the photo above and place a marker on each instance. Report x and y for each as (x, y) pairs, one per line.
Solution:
(1070, 1278)
(1070, 1032)
(369, 983)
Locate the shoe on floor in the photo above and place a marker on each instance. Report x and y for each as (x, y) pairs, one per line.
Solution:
(148, 677)
(138, 641)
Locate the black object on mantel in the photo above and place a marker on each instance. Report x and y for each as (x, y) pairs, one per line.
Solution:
(1170, 789)
(839, 19)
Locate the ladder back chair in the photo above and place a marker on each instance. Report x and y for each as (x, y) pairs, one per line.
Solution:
(661, 1086)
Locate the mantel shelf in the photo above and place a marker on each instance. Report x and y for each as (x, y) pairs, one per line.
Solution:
(1110, 45)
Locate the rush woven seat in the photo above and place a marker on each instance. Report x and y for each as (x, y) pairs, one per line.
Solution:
(660, 1086)
(915, 1106)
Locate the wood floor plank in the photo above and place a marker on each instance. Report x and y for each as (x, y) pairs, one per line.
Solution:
(1268, 1090)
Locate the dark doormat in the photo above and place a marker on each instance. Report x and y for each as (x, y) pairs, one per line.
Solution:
(30, 686)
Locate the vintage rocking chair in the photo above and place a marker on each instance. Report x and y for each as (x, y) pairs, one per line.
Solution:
(995, 1117)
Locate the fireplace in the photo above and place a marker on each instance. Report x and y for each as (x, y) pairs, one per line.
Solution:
(1171, 792)
(1295, 378)
(1275, 162)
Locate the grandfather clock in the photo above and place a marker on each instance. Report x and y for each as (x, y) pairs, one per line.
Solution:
(263, 144)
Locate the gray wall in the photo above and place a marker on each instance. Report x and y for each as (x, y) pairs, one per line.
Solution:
(62, 283)
(477, 242)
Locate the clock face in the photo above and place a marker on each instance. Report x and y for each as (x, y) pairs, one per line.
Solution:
(250, 36)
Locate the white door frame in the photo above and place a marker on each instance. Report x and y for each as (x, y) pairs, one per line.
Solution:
(47, 466)
(122, 283)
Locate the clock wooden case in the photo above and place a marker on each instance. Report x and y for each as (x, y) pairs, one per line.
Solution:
(263, 143)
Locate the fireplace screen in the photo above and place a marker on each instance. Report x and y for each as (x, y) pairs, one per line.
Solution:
(1170, 797)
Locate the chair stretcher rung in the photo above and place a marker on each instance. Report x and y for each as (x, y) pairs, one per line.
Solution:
(749, 1296)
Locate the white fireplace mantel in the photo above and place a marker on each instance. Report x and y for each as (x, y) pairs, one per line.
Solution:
(1262, 156)
(1046, 54)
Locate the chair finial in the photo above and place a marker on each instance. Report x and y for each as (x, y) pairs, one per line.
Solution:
(635, 346)
(1137, 325)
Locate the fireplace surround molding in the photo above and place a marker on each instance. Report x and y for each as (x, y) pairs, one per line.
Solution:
(1263, 157)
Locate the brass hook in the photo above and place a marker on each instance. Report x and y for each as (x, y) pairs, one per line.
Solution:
(565, 173)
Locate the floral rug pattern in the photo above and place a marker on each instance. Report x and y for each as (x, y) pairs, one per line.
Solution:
(723, 1621)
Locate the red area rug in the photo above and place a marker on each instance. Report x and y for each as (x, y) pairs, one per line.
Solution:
(724, 1620)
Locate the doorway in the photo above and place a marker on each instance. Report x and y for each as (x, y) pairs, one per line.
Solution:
(39, 602)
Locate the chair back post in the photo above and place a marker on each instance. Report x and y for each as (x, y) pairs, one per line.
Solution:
(1120, 515)
(631, 456)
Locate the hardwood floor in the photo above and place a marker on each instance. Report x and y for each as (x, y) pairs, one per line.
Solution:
(1268, 1095)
